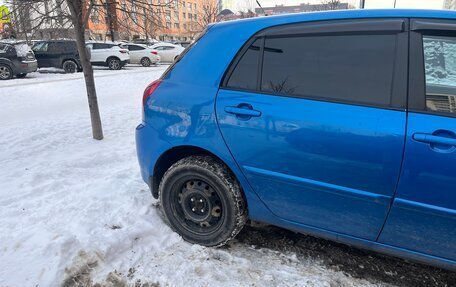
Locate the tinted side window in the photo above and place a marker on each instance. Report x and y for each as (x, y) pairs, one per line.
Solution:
(56, 47)
(135, 48)
(41, 47)
(349, 68)
(440, 67)
(97, 46)
(244, 75)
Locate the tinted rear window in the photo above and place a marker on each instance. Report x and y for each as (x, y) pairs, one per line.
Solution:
(245, 73)
(102, 46)
(353, 68)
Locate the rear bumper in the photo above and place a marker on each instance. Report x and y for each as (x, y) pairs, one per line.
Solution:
(26, 67)
(149, 148)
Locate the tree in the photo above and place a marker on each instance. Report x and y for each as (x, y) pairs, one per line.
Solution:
(75, 15)
(331, 4)
(207, 14)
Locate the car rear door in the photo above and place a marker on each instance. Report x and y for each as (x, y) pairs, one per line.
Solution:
(55, 53)
(136, 53)
(314, 114)
(41, 54)
(99, 52)
(423, 215)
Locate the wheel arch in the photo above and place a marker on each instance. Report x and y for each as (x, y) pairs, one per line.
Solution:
(70, 59)
(173, 155)
(112, 57)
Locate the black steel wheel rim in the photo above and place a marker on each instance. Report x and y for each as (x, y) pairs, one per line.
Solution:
(197, 206)
(70, 67)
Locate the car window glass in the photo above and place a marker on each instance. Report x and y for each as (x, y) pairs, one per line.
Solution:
(55, 47)
(6, 49)
(244, 75)
(135, 48)
(349, 68)
(440, 67)
(159, 48)
(41, 47)
(97, 46)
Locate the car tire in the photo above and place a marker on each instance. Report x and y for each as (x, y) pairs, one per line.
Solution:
(114, 64)
(202, 201)
(145, 62)
(70, 66)
(21, 75)
(6, 72)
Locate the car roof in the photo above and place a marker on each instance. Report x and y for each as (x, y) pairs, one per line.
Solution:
(342, 14)
(12, 41)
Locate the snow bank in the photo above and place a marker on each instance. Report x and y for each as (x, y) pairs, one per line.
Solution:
(75, 209)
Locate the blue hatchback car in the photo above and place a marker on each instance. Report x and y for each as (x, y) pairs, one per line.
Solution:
(341, 125)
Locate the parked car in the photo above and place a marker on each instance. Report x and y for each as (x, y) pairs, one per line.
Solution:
(58, 54)
(168, 52)
(113, 55)
(184, 44)
(341, 125)
(149, 42)
(16, 59)
(140, 54)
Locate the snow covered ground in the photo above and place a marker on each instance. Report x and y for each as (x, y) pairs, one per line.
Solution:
(75, 212)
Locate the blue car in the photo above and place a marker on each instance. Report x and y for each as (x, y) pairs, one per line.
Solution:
(340, 125)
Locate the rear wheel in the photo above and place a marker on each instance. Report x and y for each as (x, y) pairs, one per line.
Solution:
(202, 201)
(145, 62)
(114, 64)
(70, 66)
(5, 72)
(21, 75)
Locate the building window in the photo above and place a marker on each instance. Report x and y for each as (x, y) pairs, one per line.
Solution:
(95, 17)
(176, 15)
(184, 15)
(176, 25)
(168, 25)
(190, 16)
(189, 6)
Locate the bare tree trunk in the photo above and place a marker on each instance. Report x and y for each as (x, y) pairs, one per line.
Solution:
(76, 10)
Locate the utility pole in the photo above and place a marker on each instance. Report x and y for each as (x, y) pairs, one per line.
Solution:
(361, 4)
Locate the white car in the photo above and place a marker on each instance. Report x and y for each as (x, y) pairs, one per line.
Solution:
(112, 55)
(168, 52)
(141, 54)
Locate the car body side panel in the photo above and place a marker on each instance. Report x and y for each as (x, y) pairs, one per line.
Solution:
(423, 216)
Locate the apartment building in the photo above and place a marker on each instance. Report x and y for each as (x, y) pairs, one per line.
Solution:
(305, 7)
(157, 19)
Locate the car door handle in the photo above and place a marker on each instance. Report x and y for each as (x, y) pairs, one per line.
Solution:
(432, 139)
(246, 111)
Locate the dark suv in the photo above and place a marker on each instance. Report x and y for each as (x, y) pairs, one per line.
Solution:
(58, 54)
(16, 59)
